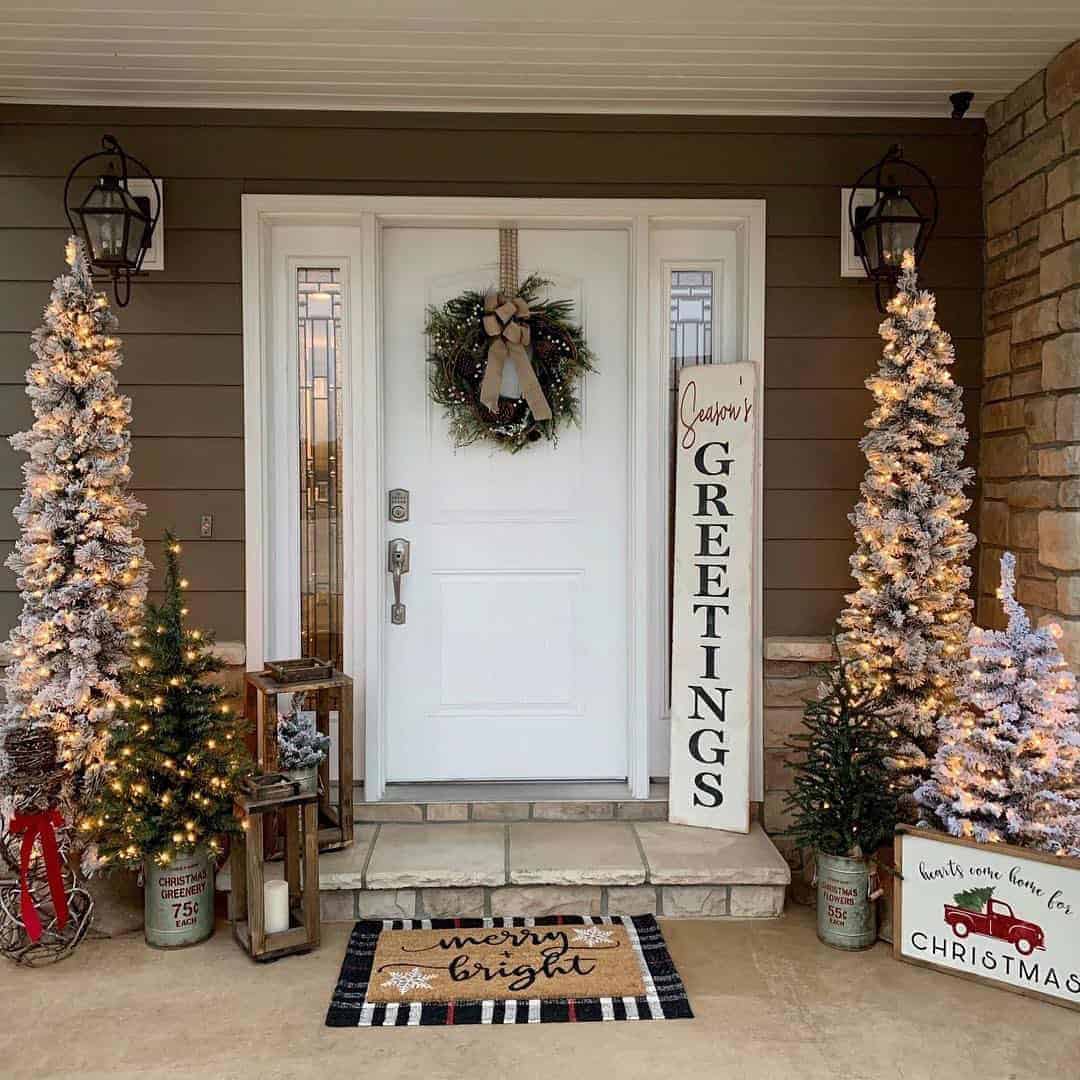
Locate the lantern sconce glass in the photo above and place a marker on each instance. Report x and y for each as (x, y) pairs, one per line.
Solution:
(116, 225)
(894, 223)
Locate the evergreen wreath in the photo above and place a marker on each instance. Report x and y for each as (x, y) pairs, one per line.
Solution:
(458, 354)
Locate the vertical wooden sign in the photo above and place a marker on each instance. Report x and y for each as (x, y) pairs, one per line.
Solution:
(712, 598)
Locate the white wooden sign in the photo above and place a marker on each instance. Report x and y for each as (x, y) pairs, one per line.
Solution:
(712, 598)
(992, 912)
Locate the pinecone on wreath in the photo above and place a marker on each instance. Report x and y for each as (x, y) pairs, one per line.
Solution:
(543, 348)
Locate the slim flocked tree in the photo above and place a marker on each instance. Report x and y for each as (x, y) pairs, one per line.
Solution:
(906, 624)
(176, 752)
(79, 565)
(1008, 767)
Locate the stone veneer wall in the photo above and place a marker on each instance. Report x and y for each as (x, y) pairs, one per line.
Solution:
(789, 681)
(1030, 446)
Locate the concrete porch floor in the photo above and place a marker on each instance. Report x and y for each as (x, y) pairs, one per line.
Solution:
(770, 1002)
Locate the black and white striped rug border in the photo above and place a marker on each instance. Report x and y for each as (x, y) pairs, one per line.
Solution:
(664, 998)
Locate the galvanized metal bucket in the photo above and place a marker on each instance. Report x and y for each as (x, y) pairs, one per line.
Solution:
(308, 779)
(178, 900)
(846, 916)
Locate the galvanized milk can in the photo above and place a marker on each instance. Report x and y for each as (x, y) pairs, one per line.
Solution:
(846, 916)
(178, 900)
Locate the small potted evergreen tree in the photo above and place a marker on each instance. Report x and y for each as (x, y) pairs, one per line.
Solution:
(301, 747)
(175, 759)
(843, 803)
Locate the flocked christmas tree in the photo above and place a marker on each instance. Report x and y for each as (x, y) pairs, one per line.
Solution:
(79, 565)
(906, 623)
(840, 798)
(176, 752)
(1008, 767)
(300, 744)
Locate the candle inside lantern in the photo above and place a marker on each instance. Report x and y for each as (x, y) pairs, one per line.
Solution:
(276, 906)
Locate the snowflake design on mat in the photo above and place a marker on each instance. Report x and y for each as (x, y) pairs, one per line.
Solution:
(592, 935)
(404, 982)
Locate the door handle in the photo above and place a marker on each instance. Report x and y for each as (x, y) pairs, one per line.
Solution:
(397, 563)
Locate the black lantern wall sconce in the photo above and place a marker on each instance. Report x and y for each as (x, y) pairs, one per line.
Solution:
(116, 225)
(894, 223)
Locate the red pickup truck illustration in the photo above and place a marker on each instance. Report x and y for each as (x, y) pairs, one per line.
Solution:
(997, 921)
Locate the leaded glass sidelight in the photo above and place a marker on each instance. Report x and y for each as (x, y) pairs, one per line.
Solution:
(319, 351)
(690, 342)
(691, 320)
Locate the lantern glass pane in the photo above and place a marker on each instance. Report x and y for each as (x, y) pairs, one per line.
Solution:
(103, 213)
(871, 243)
(319, 340)
(898, 236)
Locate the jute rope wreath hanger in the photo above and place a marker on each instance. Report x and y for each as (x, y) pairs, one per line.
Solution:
(473, 337)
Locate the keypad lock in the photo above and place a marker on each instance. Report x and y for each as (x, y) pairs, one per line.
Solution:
(397, 564)
(398, 509)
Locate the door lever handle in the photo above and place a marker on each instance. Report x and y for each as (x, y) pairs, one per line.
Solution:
(397, 563)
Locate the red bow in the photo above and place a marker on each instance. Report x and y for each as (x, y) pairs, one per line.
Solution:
(34, 826)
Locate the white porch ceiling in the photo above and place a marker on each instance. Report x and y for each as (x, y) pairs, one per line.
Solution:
(843, 57)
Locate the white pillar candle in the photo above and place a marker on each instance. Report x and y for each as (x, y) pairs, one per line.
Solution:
(276, 906)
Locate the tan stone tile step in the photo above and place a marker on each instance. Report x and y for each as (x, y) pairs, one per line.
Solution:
(469, 869)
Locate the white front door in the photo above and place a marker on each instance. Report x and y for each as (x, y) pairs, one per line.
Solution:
(512, 663)
(537, 637)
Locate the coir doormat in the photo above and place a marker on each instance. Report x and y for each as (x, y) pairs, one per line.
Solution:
(555, 969)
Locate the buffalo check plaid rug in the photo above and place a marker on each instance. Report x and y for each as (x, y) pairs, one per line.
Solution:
(550, 970)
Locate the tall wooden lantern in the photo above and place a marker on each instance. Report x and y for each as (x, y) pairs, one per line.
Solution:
(327, 691)
(271, 926)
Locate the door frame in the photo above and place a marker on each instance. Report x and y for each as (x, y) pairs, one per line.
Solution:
(269, 618)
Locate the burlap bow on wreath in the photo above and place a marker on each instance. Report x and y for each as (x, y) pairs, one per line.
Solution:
(473, 336)
(506, 322)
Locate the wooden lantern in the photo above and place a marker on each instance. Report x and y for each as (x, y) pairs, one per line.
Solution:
(246, 896)
(332, 691)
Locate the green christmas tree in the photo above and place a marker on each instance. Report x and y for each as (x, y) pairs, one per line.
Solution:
(841, 800)
(176, 752)
(974, 899)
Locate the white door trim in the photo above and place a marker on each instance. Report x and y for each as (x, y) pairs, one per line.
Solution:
(266, 542)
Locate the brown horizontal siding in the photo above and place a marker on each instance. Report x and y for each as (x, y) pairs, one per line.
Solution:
(808, 515)
(158, 411)
(803, 611)
(149, 359)
(212, 565)
(829, 413)
(597, 154)
(180, 511)
(179, 308)
(825, 363)
(192, 255)
(795, 208)
(219, 612)
(184, 367)
(193, 464)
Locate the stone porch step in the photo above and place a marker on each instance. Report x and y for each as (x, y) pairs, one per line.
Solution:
(581, 801)
(476, 868)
